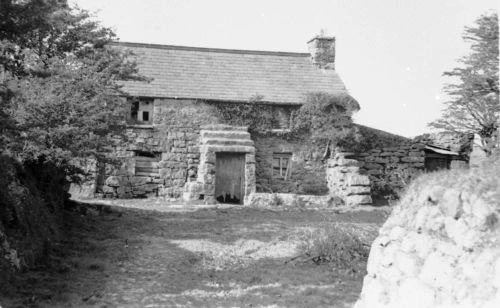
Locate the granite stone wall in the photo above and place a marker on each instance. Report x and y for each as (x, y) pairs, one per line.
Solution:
(173, 140)
(174, 143)
(390, 170)
(345, 180)
(308, 171)
(360, 177)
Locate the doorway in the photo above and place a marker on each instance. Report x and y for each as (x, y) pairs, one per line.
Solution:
(230, 177)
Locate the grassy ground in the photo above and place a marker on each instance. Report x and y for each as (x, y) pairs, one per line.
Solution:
(157, 256)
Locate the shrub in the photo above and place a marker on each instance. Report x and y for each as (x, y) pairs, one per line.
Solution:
(327, 117)
(275, 200)
(337, 245)
(334, 201)
(298, 203)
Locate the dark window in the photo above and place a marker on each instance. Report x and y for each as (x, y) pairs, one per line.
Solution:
(134, 110)
(436, 162)
(146, 163)
(141, 110)
(282, 165)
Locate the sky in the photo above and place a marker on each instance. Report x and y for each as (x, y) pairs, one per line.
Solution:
(391, 54)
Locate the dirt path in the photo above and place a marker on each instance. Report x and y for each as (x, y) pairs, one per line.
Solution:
(153, 256)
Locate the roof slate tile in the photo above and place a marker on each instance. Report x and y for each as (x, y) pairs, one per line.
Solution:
(228, 75)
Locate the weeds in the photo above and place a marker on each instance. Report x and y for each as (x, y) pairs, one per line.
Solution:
(337, 245)
(276, 200)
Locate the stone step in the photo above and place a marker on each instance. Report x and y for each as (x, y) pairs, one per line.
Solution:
(227, 134)
(225, 127)
(227, 141)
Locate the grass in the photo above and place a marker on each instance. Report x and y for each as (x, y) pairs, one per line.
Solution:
(132, 257)
(335, 244)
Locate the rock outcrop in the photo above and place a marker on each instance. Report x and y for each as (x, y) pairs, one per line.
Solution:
(441, 245)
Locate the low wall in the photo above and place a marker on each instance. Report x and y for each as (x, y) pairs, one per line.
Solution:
(391, 169)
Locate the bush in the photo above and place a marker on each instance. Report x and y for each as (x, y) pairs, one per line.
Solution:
(298, 203)
(337, 245)
(334, 201)
(275, 200)
(327, 117)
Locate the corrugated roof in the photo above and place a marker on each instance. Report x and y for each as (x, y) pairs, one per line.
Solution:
(228, 75)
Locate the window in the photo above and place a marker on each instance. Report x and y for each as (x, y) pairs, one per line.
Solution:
(141, 110)
(282, 116)
(282, 165)
(146, 163)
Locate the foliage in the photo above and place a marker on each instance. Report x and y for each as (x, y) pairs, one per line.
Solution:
(276, 200)
(257, 116)
(327, 117)
(331, 243)
(334, 201)
(389, 188)
(298, 203)
(60, 91)
(475, 105)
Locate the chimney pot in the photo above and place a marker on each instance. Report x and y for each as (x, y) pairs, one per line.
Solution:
(322, 51)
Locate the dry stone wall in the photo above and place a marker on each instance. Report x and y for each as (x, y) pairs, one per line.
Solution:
(357, 177)
(441, 245)
(391, 169)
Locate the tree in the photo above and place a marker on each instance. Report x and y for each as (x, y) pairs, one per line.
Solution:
(474, 105)
(60, 94)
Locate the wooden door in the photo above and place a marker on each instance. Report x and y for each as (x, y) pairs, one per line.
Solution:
(230, 177)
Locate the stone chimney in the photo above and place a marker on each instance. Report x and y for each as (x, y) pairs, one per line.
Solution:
(322, 51)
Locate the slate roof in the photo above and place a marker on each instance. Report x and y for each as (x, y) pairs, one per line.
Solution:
(228, 75)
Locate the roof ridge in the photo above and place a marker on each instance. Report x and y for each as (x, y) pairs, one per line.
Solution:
(207, 49)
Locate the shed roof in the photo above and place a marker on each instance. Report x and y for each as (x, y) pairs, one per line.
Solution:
(440, 150)
(228, 75)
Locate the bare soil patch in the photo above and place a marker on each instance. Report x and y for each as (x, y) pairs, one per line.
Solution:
(147, 255)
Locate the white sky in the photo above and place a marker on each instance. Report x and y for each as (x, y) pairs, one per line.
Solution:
(390, 53)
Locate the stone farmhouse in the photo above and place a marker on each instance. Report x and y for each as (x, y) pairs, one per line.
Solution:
(179, 147)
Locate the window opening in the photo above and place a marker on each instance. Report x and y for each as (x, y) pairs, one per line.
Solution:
(141, 110)
(282, 165)
(146, 163)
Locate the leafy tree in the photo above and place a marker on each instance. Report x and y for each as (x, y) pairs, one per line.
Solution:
(60, 95)
(474, 105)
